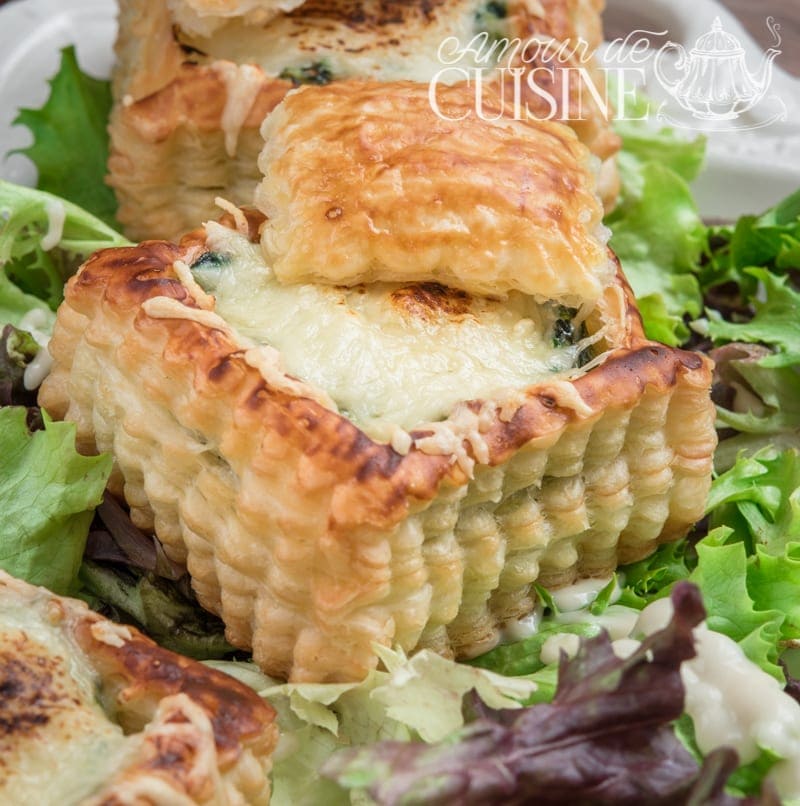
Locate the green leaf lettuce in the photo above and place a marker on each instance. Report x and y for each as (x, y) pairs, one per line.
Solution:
(70, 139)
(48, 492)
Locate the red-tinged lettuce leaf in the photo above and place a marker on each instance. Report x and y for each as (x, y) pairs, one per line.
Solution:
(762, 403)
(605, 739)
(775, 323)
(70, 139)
(17, 350)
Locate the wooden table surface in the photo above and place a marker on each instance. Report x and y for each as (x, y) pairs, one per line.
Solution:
(787, 13)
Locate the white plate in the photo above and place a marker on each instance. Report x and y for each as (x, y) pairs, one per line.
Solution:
(747, 171)
(32, 33)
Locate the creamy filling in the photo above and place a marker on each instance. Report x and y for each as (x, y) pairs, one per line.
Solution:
(389, 355)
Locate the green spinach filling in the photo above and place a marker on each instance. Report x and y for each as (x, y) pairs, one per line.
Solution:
(318, 73)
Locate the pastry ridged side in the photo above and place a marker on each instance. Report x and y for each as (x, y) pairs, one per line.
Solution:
(171, 151)
(312, 541)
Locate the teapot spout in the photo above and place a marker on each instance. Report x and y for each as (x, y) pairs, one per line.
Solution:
(763, 78)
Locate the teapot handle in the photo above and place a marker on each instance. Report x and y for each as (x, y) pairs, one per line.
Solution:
(658, 66)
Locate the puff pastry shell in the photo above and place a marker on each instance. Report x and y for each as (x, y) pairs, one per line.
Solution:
(364, 181)
(313, 541)
(203, 17)
(73, 681)
(184, 128)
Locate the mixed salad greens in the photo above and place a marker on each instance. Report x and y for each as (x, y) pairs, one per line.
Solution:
(630, 717)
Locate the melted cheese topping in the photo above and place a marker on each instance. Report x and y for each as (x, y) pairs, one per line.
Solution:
(57, 745)
(388, 355)
(384, 40)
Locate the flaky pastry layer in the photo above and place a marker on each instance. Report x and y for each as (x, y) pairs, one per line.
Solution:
(313, 541)
(192, 734)
(203, 17)
(184, 128)
(364, 181)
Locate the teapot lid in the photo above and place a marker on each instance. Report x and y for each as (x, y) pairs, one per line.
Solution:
(717, 42)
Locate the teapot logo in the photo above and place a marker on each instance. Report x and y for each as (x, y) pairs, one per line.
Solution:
(714, 84)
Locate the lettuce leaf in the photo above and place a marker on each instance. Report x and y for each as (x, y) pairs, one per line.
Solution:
(168, 613)
(605, 738)
(762, 403)
(722, 576)
(747, 276)
(756, 507)
(656, 230)
(70, 139)
(48, 492)
(771, 240)
(415, 698)
(776, 322)
(32, 276)
(524, 657)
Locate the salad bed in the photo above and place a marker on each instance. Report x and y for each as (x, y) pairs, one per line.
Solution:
(617, 722)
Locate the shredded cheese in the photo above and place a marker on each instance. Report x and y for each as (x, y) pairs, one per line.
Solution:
(169, 308)
(242, 85)
(184, 274)
(239, 218)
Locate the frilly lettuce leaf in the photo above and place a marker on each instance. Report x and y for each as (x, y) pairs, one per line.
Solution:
(776, 322)
(425, 692)
(771, 240)
(48, 492)
(32, 276)
(722, 576)
(418, 698)
(605, 738)
(748, 566)
(756, 329)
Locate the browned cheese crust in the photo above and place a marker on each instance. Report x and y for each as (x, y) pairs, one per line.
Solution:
(193, 734)
(184, 128)
(310, 539)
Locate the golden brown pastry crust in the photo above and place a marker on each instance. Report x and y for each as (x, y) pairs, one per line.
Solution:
(364, 182)
(163, 160)
(204, 736)
(310, 539)
(203, 17)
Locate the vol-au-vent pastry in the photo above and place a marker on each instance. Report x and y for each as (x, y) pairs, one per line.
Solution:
(188, 107)
(203, 17)
(365, 181)
(390, 462)
(93, 713)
